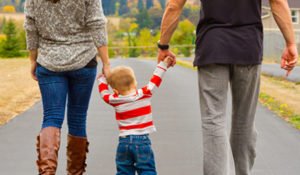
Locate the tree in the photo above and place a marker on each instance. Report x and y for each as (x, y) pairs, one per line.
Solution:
(156, 17)
(10, 46)
(149, 4)
(9, 9)
(162, 3)
(191, 13)
(146, 38)
(123, 7)
(143, 19)
(184, 35)
(3, 23)
(22, 39)
(109, 7)
(130, 30)
(140, 5)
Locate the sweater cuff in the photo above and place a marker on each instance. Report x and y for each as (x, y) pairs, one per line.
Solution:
(32, 40)
(100, 37)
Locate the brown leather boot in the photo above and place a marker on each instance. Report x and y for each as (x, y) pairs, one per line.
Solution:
(48, 143)
(76, 152)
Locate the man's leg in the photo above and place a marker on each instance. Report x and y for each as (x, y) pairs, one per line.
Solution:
(245, 82)
(213, 89)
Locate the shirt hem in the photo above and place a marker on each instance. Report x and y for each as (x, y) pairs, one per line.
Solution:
(148, 131)
(71, 67)
(234, 61)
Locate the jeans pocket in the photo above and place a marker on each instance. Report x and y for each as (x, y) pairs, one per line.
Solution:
(144, 153)
(122, 152)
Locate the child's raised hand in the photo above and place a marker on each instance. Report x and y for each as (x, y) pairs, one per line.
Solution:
(169, 61)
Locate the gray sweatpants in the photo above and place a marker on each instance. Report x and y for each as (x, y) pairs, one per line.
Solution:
(214, 81)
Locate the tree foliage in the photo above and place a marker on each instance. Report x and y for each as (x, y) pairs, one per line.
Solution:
(162, 3)
(184, 35)
(143, 19)
(10, 45)
(141, 5)
(109, 7)
(149, 4)
(9, 9)
(123, 9)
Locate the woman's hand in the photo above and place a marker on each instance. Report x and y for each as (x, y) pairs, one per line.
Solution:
(106, 70)
(33, 69)
(33, 54)
(103, 53)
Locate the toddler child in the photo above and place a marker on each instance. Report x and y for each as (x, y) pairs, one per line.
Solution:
(134, 117)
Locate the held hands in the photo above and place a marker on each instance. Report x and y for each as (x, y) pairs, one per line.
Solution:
(162, 54)
(289, 58)
(105, 71)
(169, 61)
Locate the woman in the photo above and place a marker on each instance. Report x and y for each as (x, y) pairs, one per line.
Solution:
(62, 37)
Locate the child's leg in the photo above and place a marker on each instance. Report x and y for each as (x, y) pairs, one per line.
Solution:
(124, 159)
(145, 162)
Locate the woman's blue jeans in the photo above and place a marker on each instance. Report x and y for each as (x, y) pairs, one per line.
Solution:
(73, 87)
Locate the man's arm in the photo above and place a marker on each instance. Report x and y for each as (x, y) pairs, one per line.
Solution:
(169, 24)
(282, 16)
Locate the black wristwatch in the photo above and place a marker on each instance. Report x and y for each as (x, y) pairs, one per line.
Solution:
(163, 46)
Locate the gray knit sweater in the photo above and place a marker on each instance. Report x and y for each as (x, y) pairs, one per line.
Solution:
(66, 33)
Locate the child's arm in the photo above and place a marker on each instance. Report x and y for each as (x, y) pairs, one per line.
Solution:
(156, 79)
(103, 89)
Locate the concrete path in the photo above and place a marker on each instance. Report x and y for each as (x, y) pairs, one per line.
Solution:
(177, 143)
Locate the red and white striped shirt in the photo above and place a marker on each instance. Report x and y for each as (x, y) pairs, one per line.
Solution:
(133, 112)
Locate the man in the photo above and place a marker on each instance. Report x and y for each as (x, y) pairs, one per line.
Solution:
(229, 50)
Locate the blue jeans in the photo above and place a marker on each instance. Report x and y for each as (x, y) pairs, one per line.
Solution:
(58, 87)
(134, 154)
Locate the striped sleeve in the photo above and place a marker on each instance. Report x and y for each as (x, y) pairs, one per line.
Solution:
(156, 79)
(103, 89)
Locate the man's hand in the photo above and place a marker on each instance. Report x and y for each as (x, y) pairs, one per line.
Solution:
(33, 69)
(289, 58)
(162, 54)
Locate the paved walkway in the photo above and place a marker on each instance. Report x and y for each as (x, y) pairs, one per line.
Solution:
(177, 143)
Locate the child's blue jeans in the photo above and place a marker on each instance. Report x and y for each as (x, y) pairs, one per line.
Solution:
(134, 154)
(73, 87)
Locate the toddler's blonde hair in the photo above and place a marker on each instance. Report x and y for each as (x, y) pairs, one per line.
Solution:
(122, 78)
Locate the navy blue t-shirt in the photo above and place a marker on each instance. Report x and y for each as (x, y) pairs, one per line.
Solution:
(229, 32)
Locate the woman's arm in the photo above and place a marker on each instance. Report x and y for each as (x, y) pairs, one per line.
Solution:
(96, 23)
(103, 53)
(32, 38)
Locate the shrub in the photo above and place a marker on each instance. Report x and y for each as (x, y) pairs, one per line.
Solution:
(10, 46)
(9, 9)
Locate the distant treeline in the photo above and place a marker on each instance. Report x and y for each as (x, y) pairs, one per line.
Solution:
(121, 7)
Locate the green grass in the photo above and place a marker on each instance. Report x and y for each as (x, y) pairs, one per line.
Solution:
(281, 109)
